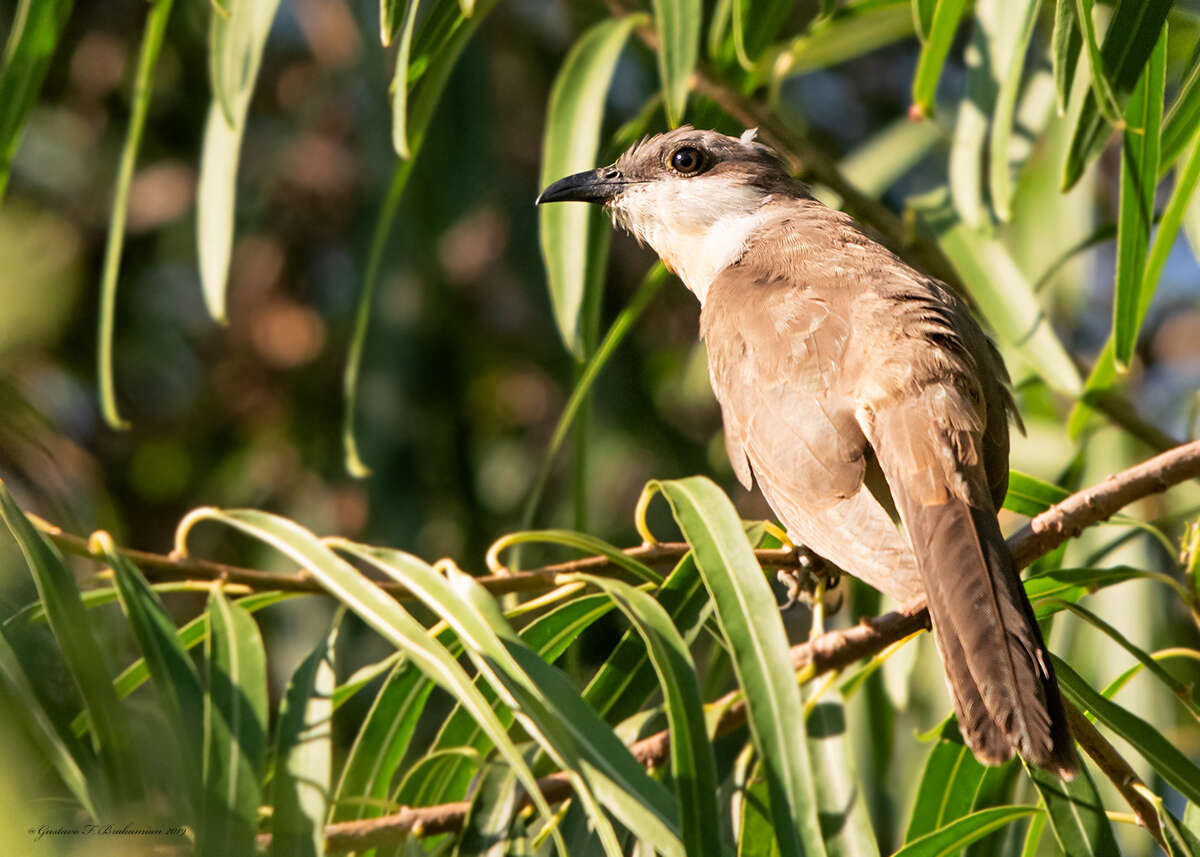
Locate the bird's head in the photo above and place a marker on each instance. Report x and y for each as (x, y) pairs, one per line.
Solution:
(686, 193)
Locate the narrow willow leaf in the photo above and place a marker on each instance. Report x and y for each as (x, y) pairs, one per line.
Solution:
(876, 165)
(1028, 495)
(1114, 686)
(678, 25)
(1047, 589)
(1007, 69)
(971, 124)
(1181, 690)
(749, 620)
(50, 745)
(81, 650)
(175, 678)
(948, 784)
(1139, 178)
(570, 145)
(400, 82)
(1102, 88)
(963, 831)
(304, 753)
(1131, 36)
(381, 743)
(236, 47)
(942, 29)
(1166, 759)
(493, 808)
(152, 37)
(756, 832)
(922, 11)
(853, 31)
(190, 635)
(692, 765)
(1067, 43)
(1182, 120)
(1076, 814)
(845, 822)
(1182, 196)
(626, 679)
(1002, 293)
(755, 25)
(602, 769)
(235, 730)
(389, 14)
(36, 27)
(383, 614)
(589, 545)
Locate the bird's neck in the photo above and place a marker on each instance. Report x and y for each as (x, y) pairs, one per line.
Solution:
(697, 237)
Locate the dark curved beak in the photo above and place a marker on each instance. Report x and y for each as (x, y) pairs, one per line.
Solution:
(599, 185)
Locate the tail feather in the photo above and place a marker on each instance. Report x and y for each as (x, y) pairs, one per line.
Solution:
(997, 666)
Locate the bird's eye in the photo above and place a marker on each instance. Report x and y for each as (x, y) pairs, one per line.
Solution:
(687, 160)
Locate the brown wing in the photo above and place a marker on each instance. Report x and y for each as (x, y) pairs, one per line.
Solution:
(773, 359)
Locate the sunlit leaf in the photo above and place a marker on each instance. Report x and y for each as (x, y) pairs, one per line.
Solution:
(1131, 36)
(1067, 44)
(922, 11)
(400, 82)
(570, 145)
(755, 25)
(1007, 67)
(1139, 178)
(678, 25)
(235, 730)
(750, 622)
(963, 831)
(493, 807)
(841, 803)
(1182, 120)
(942, 29)
(948, 784)
(304, 754)
(852, 31)
(1076, 814)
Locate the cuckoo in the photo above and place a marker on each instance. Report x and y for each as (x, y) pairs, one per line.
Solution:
(864, 400)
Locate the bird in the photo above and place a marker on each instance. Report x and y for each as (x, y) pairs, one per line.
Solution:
(865, 401)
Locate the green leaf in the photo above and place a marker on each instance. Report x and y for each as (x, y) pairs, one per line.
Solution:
(1182, 691)
(1002, 293)
(589, 545)
(1067, 43)
(601, 768)
(190, 635)
(152, 37)
(36, 28)
(383, 614)
(1167, 761)
(1139, 177)
(389, 14)
(1113, 687)
(841, 806)
(692, 763)
(1102, 88)
(1072, 584)
(626, 679)
(570, 145)
(37, 723)
(236, 44)
(876, 165)
(750, 622)
(1182, 120)
(1128, 42)
(493, 808)
(678, 25)
(756, 835)
(922, 12)
(400, 82)
(81, 650)
(1076, 814)
(381, 743)
(235, 730)
(948, 784)
(1009, 50)
(175, 678)
(963, 831)
(1028, 495)
(851, 32)
(304, 753)
(755, 25)
(942, 29)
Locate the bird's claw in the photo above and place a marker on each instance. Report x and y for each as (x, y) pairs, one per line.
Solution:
(810, 574)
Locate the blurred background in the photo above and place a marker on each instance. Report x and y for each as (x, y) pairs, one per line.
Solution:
(464, 373)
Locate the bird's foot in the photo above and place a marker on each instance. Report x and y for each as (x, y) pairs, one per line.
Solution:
(810, 581)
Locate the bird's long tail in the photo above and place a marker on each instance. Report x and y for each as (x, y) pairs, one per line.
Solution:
(997, 666)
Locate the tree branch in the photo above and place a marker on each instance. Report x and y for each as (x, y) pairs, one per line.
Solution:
(838, 649)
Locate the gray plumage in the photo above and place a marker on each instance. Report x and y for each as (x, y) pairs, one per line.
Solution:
(850, 384)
